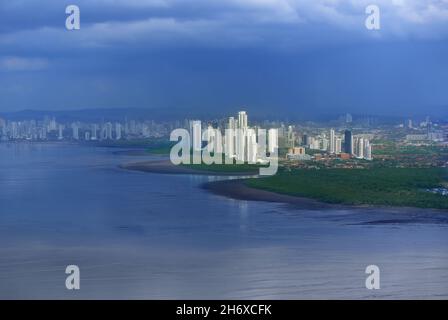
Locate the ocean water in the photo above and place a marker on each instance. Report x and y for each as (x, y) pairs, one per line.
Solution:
(153, 236)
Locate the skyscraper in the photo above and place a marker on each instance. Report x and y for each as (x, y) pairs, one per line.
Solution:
(338, 147)
(325, 144)
(251, 146)
(60, 135)
(107, 131)
(241, 144)
(94, 132)
(348, 118)
(332, 141)
(75, 129)
(272, 140)
(348, 142)
(118, 129)
(367, 150)
(242, 120)
(290, 138)
(360, 148)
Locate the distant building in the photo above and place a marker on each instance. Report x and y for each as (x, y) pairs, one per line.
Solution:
(94, 132)
(196, 134)
(75, 129)
(305, 140)
(344, 156)
(314, 143)
(338, 147)
(367, 150)
(348, 118)
(118, 131)
(60, 134)
(436, 136)
(290, 137)
(296, 150)
(107, 131)
(348, 142)
(251, 146)
(332, 142)
(324, 144)
(299, 157)
(230, 138)
(416, 137)
(297, 153)
(242, 120)
(272, 140)
(360, 148)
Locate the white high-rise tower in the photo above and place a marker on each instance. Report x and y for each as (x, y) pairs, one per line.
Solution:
(272, 140)
(242, 120)
(360, 148)
(332, 141)
(118, 129)
(367, 150)
(251, 146)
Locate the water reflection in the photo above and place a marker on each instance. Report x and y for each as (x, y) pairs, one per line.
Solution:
(140, 235)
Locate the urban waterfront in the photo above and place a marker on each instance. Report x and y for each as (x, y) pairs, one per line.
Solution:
(147, 235)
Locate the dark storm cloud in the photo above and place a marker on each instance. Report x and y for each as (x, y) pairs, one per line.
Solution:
(286, 54)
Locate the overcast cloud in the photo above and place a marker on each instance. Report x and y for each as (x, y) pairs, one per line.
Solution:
(286, 54)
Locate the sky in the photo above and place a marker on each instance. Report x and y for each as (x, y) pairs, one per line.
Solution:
(281, 56)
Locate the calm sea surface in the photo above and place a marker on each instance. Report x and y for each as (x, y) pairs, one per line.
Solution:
(143, 235)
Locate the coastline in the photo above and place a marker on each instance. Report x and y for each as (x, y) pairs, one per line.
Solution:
(234, 189)
(135, 152)
(238, 190)
(166, 167)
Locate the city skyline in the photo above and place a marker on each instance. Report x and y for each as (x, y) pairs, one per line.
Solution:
(240, 141)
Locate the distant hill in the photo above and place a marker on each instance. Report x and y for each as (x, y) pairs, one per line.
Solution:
(170, 114)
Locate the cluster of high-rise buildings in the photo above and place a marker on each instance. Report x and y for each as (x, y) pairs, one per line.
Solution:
(50, 129)
(425, 131)
(339, 143)
(357, 146)
(234, 137)
(239, 141)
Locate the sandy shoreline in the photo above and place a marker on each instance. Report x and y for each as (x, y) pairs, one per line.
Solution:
(166, 167)
(235, 189)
